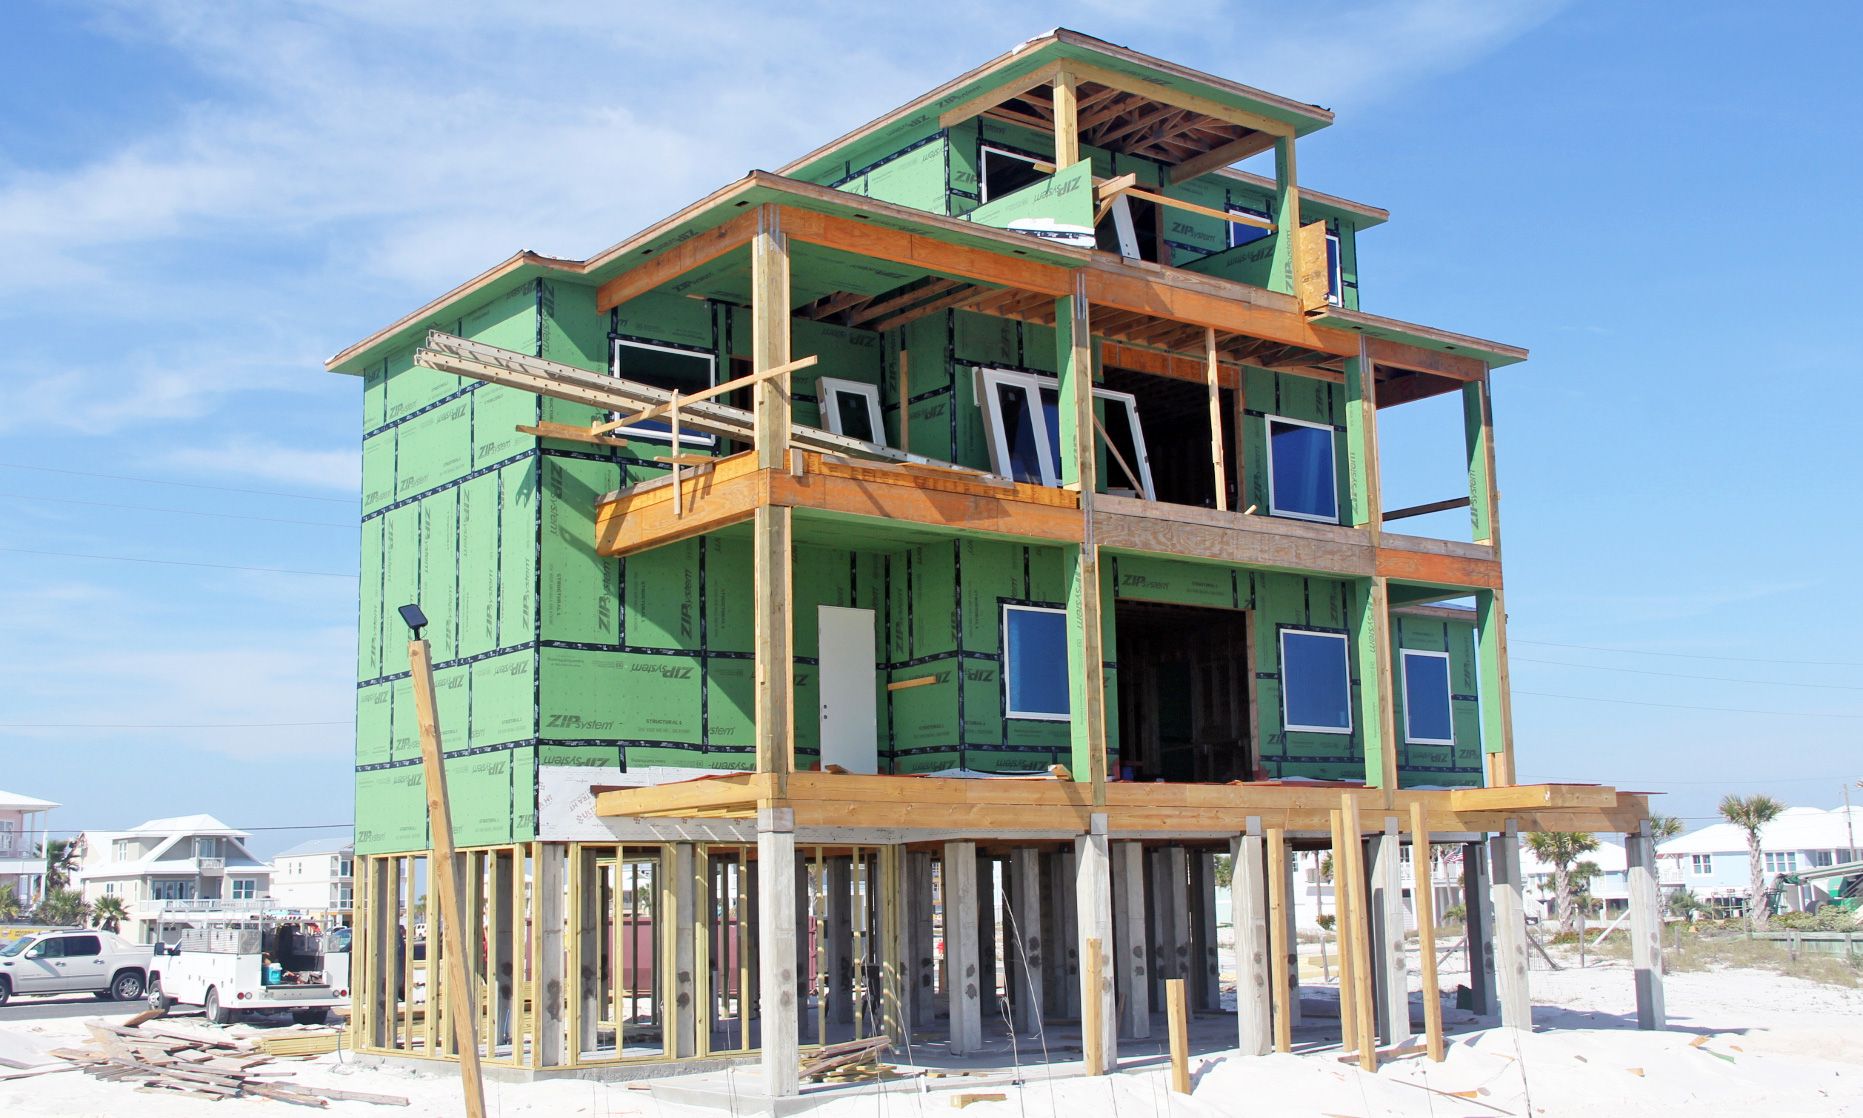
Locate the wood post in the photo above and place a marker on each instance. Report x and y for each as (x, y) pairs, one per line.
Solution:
(1497, 724)
(1389, 963)
(1363, 1024)
(965, 971)
(1423, 892)
(1094, 921)
(1646, 927)
(1342, 936)
(1249, 882)
(1510, 930)
(776, 933)
(1131, 975)
(1284, 945)
(1177, 1014)
(444, 868)
(1376, 702)
(1079, 470)
(772, 557)
(1066, 121)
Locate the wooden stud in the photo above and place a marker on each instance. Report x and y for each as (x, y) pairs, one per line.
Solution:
(1092, 1025)
(1210, 372)
(1217, 158)
(442, 868)
(1342, 926)
(1178, 1016)
(1423, 893)
(905, 400)
(1283, 949)
(1363, 1025)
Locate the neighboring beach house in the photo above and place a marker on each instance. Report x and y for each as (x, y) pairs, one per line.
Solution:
(22, 830)
(316, 876)
(1712, 863)
(193, 858)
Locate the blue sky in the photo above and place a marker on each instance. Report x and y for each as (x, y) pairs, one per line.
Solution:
(199, 203)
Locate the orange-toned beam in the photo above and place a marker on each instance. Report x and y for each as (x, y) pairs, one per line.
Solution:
(669, 264)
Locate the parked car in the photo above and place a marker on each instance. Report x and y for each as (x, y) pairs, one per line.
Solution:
(71, 961)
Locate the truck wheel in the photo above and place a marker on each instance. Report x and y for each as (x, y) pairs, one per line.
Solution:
(210, 1008)
(310, 1016)
(126, 986)
(157, 1000)
(6, 990)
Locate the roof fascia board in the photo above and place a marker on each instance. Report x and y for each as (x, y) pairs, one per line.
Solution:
(1495, 354)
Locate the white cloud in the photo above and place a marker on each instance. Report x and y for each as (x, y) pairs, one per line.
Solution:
(339, 470)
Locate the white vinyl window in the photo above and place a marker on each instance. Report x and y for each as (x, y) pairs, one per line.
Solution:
(1022, 414)
(1316, 682)
(668, 367)
(1035, 663)
(851, 408)
(1335, 283)
(1781, 862)
(1428, 719)
(1302, 476)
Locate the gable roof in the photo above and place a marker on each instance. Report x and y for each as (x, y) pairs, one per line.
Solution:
(1796, 828)
(13, 801)
(185, 825)
(336, 844)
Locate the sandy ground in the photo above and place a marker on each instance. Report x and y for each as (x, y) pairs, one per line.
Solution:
(1739, 1042)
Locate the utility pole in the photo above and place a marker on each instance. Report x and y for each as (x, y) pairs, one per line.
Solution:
(1850, 829)
(461, 1002)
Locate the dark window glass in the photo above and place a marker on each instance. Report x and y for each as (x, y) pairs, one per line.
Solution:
(856, 420)
(1019, 432)
(1118, 420)
(669, 369)
(1332, 267)
(82, 947)
(1314, 682)
(1426, 699)
(1051, 412)
(1035, 652)
(1244, 234)
(1303, 470)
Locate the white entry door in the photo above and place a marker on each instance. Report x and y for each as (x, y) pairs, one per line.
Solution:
(849, 679)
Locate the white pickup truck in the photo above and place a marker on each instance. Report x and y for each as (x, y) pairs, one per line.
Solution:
(74, 961)
(236, 959)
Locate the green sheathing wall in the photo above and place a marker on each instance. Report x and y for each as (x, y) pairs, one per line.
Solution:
(946, 349)
(1457, 765)
(1292, 397)
(450, 512)
(944, 621)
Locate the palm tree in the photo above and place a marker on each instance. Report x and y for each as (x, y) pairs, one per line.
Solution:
(9, 903)
(108, 912)
(62, 908)
(61, 861)
(1561, 850)
(1751, 814)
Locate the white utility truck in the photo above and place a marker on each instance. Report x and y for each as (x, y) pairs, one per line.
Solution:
(73, 961)
(231, 958)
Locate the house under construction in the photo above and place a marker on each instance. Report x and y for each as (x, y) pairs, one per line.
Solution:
(868, 601)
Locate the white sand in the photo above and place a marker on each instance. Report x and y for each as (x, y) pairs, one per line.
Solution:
(1775, 1046)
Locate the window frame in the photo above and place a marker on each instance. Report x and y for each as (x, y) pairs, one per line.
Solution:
(1410, 738)
(1009, 709)
(696, 438)
(250, 885)
(1287, 722)
(989, 378)
(1701, 865)
(826, 387)
(1232, 226)
(984, 151)
(1335, 269)
(1332, 459)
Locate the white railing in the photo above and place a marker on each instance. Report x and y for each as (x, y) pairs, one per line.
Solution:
(212, 867)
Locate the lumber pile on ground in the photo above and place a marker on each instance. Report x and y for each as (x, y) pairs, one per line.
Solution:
(853, 1059)
(160, 1059)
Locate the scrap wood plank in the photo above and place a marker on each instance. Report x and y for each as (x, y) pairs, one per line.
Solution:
(832, 1056)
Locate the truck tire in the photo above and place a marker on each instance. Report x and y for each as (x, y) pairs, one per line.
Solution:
(6, 990)
(157, 1000)
(211, 1009)
(126, 986)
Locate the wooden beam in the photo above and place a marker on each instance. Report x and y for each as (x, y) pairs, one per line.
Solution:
(1066, 119)
(880, 242)
(1281, 954)
(886, 305)
(1342, 936)
(681, 399)
(1231, 308)
(1177, 1014)
(1425, 509)
(1232, 152)
(772, 548)
(1403, 355)
(671, 263)
(1015, 87)
(444, 870)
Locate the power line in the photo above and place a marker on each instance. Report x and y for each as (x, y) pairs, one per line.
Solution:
(1682, 675)
(1698, 655)
(179, 563)
(182, 512)
(161, 725)
(1683, 706)
(182, 484)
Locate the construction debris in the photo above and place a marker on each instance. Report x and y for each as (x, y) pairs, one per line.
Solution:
(161, 1059)
(858, 1057)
